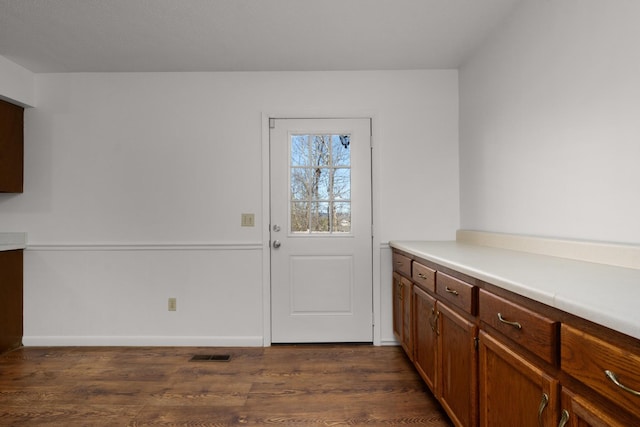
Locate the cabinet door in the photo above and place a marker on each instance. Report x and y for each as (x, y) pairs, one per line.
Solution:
(425, 336)
(580, 412)
(458, 366)
(11, 300)
(11, 147)
(513, 392)
(397, 306)
(407, 338)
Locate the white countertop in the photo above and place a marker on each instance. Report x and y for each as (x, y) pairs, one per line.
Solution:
(607, 295)
(13, 241)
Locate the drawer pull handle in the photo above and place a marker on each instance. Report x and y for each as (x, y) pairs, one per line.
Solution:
(564, 419)
(543, 404)
(514, 324)
(451, 291)
(422, 276)
(614, 379)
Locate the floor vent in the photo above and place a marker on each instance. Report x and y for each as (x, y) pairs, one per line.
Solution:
(210, 358)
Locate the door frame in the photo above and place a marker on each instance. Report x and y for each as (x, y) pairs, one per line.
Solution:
(266, 215)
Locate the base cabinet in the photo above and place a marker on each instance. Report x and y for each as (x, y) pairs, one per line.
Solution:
(402, 316)
(580, 412)
(10, 300)
(513, 391)
(497, 359)
(457, 366)
(425, 337)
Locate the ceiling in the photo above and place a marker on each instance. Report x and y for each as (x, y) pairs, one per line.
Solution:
(244, 35)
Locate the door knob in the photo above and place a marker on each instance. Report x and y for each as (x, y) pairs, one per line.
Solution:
(276, 244)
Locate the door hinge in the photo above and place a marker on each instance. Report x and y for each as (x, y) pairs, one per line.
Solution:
(272, 123)
(476, 342)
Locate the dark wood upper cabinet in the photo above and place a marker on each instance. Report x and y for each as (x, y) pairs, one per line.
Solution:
(11, 148)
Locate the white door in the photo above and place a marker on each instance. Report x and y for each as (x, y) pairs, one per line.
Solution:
(321, 247)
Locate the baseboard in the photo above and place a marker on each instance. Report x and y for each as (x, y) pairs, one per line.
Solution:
(141, 341)
(616, 254)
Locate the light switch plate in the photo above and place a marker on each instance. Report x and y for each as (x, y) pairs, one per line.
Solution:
(248, 220)
(173, 304)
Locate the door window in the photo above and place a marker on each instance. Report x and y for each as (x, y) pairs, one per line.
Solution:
(320, 184)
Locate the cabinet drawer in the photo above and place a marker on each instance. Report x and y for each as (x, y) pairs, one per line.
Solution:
(594, 362)
(424, 276)
(535, 332)
(402, 264)
(457, 292)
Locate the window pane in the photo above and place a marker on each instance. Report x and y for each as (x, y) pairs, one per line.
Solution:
(320, 150)
(320, 217)
(342, 184)
(299, 217)
(301, 183)
(341, 221)
(320, 184)
(299, 150)
(341, 153)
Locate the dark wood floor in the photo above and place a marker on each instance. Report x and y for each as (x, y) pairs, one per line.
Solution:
(306, 385)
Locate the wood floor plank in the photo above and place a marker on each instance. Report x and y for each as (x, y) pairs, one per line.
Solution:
(294, 385)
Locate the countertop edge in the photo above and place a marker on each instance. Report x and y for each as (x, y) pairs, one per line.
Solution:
(11, 241)
(563, 292)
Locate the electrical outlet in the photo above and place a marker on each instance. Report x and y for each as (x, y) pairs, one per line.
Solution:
(248, 220)
(173, 304)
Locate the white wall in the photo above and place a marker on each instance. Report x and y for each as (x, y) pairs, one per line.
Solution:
(549, 124)
(134, 186)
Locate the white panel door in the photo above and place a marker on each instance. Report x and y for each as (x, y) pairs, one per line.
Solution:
(321, 247)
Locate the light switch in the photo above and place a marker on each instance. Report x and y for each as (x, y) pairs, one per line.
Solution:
(248, 220)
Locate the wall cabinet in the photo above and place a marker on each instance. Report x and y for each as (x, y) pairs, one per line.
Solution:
(493, 358)
(11, 147)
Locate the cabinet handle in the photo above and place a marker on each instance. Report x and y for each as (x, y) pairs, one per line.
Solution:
(432, 319)
(422, 276)
(451, 291)
(564, 419)
(543, 404)
(614, 379)
(514, 324)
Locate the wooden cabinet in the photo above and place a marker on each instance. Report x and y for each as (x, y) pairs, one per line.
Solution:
(402, 288)
(513, 391)
(10, 300)
(457, 359)
(425, 334)
(580, 412)
(424, 276)
(11, 147)
(458, 293)
(612, 371)
(535, 332)
(402, 264)
(494, 358)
